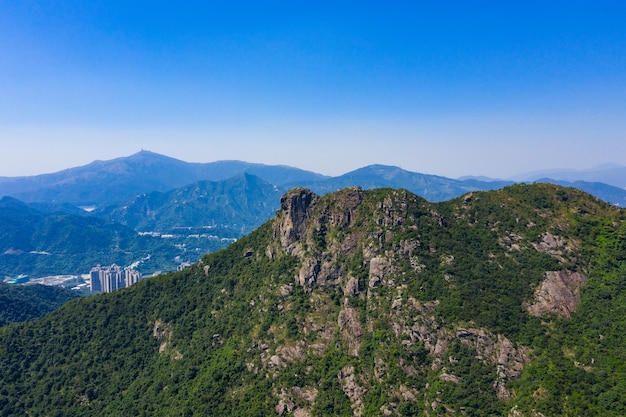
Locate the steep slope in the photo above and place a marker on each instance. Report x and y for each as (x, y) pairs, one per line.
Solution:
(120, 179)
(243, 203)
(21, 303)
(363, 303)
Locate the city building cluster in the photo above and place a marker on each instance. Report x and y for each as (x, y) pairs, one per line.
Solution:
(111, 278)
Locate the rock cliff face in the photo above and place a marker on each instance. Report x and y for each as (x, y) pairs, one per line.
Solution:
(324, 233)
(558, 294)
(294, 213)
(371, 249)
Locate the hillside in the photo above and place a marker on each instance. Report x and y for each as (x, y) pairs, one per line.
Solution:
(40, 239)
(243, 202)
(436, 188)
(601, 190)
(364, 303)
(28, 302)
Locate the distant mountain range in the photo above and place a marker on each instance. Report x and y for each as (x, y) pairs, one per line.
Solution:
(246, 201)
(610, 174)
(121, 179)
(40, 243)
(603, 191)
(148, 192)
(34, 242)
(118, 181)
(431, 187)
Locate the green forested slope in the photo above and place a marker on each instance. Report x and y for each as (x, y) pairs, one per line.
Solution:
(371, 303)
(241, 203)
(21, 303)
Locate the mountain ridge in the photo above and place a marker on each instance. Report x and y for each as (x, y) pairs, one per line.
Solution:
(244, 202)
(125, 177)
(611, 174)
(41, 243)
(359, 302)
(229, 204)
(122, 179)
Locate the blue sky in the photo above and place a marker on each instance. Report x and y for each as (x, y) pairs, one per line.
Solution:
(452, 88)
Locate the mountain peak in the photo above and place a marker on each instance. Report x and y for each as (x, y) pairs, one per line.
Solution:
(372, 302)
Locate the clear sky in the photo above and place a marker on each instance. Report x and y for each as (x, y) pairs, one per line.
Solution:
(451, 88)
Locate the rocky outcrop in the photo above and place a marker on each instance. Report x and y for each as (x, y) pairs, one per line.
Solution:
(287, 403)
(499, 350)
(292, 353)
(292, 224)
(350, 387)
(556, 246)
(559, 294)
(495, 349)
(308, 272)
(379, 268)
(296, 224)
(350, 328)
(358, 255)
(163, 332)
(301, 227)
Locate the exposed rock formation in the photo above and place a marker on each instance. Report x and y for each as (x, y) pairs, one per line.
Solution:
(558, 294)
(362, 263)
(163, 331)
(499, 350)
(350, 387)
(350, 328)
(556, 246)
(294, 211)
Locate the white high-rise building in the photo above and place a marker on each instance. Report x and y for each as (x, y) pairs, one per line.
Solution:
(111, 278)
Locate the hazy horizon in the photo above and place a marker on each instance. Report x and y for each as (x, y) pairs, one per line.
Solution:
(518, 177)
(448, 89)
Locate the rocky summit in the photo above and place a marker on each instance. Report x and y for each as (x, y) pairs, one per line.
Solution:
(358, 303)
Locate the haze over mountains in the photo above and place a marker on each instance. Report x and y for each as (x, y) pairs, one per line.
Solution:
(244, 202)
(610, 174)
(121, 179)
(38, 243)
(199, 207)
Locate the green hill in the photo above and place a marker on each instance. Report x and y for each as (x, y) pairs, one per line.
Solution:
(242, 203)
(21, 303)
(364, 303)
